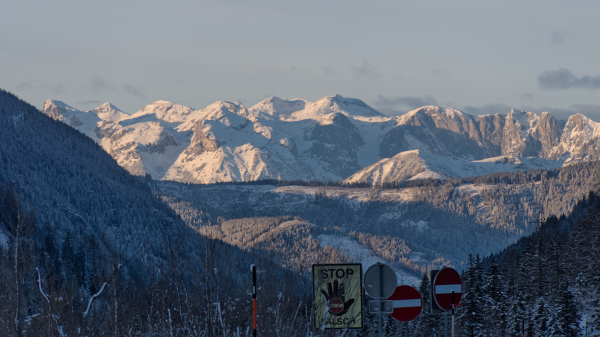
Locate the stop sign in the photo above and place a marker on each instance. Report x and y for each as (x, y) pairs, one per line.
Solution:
(407, 303)
(447, 281)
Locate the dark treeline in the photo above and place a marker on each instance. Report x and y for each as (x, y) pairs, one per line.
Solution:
(547, 283)
(441, 224)
(86, 249)
(508, 178)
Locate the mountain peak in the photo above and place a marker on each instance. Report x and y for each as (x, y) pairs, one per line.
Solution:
(58, 110)
(165, 110)
(437, 113)
(275, 106)
(347, 106)
(50, 102)
(107, 111)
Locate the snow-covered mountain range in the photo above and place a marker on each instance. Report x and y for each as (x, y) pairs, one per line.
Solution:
(334, 138)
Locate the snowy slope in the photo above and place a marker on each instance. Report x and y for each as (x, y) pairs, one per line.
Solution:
(421, 164)
(579, 141)
(365, 256)
(333, 138)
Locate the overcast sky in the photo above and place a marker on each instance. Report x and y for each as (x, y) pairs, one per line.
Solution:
(477, 56)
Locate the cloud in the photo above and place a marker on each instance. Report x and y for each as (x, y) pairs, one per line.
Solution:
(327, 71)
(564, 79)
(557, 38)
(592, 111)
(586, 108)
(390, 105)
(54, 88)
(97, 84)
(487, 109)
(527, 97)
(25, 86)
(89, 102)
(133, 91)
(365, 71)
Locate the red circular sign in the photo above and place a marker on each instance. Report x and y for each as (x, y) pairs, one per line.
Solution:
(407, 303)
(447, 281)
(336, 305)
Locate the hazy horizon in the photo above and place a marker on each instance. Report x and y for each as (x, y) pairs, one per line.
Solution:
(476, 57)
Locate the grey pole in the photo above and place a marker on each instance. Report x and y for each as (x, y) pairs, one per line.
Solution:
(445, 323)
(380, 299)
(405, 329)
(452, 313)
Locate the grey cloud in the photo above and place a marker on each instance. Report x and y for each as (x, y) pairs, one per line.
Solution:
(89, 102)
(564, 79)
(487, 109)
(327, 71)
(557, 38)
(98, 84)
(586, 108)
(133, 91)
(592, 111)
(365, 71)
(526, 97)
(438, 72)
(388, 105)
(55, 88)
(24, 86)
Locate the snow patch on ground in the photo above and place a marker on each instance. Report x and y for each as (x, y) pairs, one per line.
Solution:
(422, 225)
(365, 256)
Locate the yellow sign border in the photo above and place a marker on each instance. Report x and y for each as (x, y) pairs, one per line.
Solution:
(353, 291)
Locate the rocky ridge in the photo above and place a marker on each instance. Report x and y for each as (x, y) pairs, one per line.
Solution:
(333, 138)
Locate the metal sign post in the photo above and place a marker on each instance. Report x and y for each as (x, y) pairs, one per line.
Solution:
(446, 291)
(380, 299)
(435, 309)
(452, 313)
(445, 324)
(253, 268)
(380, 282)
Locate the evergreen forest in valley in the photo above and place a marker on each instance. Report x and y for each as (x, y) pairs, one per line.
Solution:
(87, 249)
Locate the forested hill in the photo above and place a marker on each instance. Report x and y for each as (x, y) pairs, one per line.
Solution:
(415, 225)
(547, 283)
(86, 248)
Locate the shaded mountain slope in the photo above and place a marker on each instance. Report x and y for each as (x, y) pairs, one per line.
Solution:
(88, 248)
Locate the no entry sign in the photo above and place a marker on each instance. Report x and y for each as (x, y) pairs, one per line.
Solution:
(407, 303)
(447, 281)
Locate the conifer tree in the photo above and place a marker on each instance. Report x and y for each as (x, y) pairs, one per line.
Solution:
(472, 319)
(427, 324)
(567, 315)
(541, 317)
(495, 305)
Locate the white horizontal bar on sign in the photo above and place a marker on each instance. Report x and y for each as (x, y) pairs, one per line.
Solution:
(448, 289)
(406, 303)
